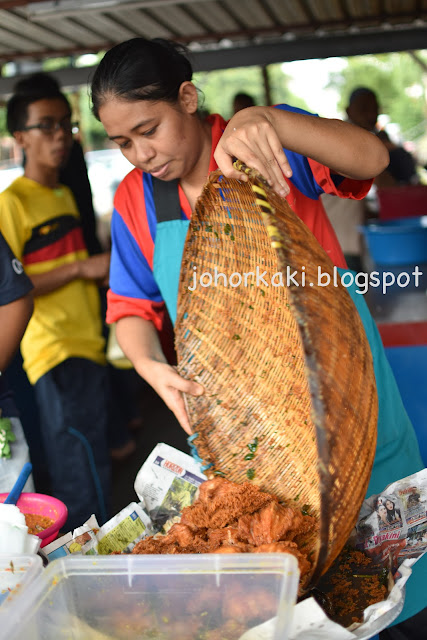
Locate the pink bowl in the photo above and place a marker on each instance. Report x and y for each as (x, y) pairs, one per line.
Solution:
(44, 506)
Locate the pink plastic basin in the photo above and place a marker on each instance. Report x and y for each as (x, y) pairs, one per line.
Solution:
(43, 505)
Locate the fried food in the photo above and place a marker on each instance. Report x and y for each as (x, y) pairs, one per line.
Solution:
(234, 518)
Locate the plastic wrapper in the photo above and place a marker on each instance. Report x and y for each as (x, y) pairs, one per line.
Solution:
(14, 536)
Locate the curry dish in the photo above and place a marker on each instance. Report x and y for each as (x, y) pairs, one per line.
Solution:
(37, 523)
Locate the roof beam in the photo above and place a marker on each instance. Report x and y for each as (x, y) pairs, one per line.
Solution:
(350, 44)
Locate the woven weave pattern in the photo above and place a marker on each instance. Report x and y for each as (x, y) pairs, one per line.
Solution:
(290, 398)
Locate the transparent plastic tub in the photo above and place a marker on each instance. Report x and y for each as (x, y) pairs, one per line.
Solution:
(16, 573)
(185, 597)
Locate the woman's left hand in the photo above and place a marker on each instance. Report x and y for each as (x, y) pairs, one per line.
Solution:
(251, 137)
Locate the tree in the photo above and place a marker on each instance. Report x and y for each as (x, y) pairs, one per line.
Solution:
(219, 87)
(393, 77)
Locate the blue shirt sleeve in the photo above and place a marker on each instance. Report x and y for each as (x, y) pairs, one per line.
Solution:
(14, 283)
(302, 175)
(130, 273)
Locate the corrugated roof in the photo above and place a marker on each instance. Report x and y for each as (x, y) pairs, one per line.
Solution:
(40, 29)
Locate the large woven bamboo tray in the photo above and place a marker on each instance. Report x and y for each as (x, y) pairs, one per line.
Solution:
(290, 400)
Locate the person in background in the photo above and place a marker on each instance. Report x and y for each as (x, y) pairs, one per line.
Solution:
(143, 94)
(242, 101)
(16, 307)
(402, 167)
(63, 347)
(363, 110)
(124, 385)
(347, 216)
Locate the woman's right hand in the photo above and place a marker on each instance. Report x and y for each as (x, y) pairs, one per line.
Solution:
(140, 342)
(251, 137)
(171, 387)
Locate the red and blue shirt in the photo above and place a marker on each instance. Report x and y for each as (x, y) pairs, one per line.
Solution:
(133, 289)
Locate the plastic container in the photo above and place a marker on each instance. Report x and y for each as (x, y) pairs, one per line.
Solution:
(402, 201)
(397, 242)
(16, 572)
(174, 596)
(43, 505)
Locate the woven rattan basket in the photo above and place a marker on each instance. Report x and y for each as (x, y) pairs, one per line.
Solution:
(290, 398)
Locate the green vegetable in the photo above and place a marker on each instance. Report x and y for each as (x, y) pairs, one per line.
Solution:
(6, 437)
(250, 474)
(253, 446)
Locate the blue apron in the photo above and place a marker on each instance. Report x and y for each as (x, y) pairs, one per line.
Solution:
(397, 453)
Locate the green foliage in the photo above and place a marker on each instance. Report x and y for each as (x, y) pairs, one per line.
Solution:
(6, 437)
(52, 64)
(3, 128)
(218, 88)
(391, 76)
(93, 132)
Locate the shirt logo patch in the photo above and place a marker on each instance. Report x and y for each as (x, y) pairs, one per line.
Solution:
(48, 228)
(17, 266)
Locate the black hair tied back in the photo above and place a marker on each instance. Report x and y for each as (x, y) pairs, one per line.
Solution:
(180, 55)
(141, 69)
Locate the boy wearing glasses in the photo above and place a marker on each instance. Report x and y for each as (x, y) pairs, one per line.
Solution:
(63, 347)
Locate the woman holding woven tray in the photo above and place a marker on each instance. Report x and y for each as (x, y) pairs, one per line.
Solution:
(143, 95)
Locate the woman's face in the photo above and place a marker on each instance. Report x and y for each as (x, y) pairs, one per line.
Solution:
(157, 137)
(389, 504)
(382, 512)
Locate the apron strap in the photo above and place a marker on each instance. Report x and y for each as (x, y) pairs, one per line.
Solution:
(166, 200)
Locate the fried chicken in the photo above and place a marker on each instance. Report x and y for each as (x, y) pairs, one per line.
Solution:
(234, 518)
(221, 502)
(270, 524)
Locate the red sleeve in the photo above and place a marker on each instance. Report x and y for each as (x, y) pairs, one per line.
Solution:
(338, 185)
(122, 307)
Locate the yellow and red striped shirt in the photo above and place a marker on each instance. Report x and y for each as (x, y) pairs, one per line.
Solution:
(42, 227)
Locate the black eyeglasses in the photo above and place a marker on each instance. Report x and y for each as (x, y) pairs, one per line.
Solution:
(49, 127)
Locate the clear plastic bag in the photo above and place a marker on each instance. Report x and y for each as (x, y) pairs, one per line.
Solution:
(10, 468)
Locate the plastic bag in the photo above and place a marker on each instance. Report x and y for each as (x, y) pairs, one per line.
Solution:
(10, 468)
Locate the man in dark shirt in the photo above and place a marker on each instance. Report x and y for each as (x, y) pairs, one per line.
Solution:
(16, 306)
(363, 110)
